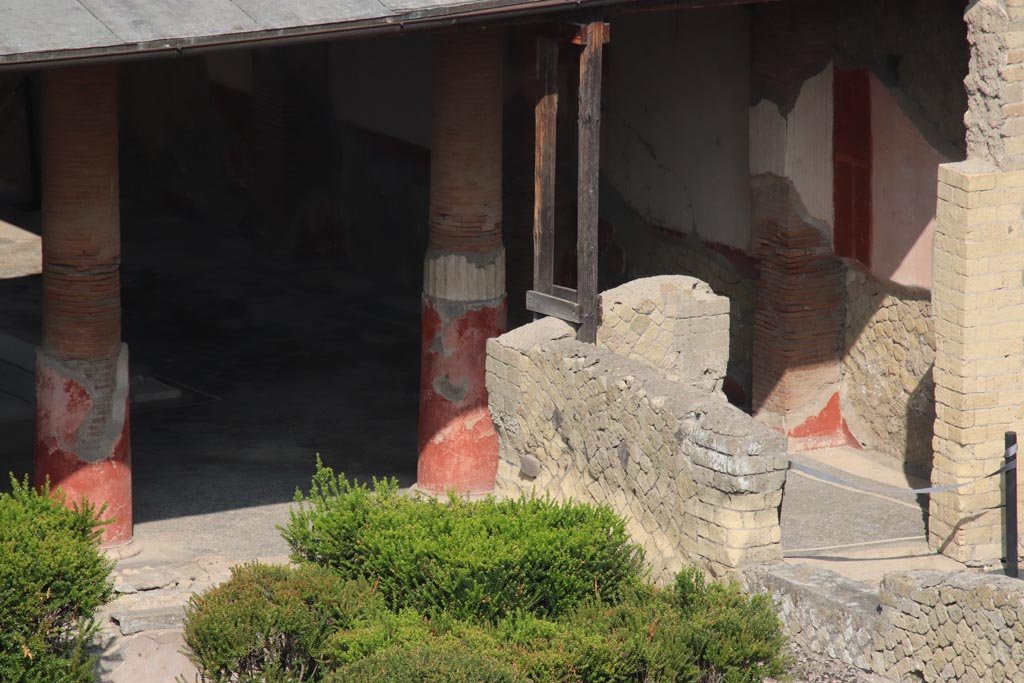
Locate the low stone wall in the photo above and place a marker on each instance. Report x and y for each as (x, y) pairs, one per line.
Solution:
(675, 323)
(889, 350)
(650, 250)
(822, 611)
(951, 627)
(697, 480)
(922, 625)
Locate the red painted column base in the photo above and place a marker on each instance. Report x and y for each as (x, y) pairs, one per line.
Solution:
(82, 436)
(458, 445)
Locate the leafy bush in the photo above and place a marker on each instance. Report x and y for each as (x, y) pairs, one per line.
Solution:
(269, 623)
(649, 636)
(738, 636)
(436, 661)
(52, 579)
(480, 559)
(526, 591)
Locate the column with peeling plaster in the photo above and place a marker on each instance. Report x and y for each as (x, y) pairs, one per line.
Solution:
(82, 427)
(464, 270)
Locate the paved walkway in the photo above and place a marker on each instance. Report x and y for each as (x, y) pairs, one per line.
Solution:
(861, 535)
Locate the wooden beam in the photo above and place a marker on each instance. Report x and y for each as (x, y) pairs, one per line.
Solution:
(564, 293)
(589, 171)
(581, 34)
(546, 304)
(544, 166)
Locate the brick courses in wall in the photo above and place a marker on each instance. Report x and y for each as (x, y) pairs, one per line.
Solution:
(698, 480)
(978, 307)
(889, 349)
(464, 268)
(798, 322)
(82, 444)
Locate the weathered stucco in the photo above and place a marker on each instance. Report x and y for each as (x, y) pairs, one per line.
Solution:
(916, 46)
(675, 128)
(987, 94)
(798, 145)
(904, 177)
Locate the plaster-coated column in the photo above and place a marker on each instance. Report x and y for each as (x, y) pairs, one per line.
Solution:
(464, 271)
(82, 442)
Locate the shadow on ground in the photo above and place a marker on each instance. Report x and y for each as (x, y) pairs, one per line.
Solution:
(278, 361)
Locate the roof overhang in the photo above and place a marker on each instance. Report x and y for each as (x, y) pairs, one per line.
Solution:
(36, 33)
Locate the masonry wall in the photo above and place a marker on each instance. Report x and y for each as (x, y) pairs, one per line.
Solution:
(921, 625)
(648, 250)
(979, 361)
(888, 394)
(951, 627)
(698, 480)
(877, 389)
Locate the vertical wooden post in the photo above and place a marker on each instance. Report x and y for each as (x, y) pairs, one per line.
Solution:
(589, 169)
(544, 160)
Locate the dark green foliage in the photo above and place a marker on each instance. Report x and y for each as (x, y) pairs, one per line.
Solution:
(52, 579)
(479, 560)
(434, 661)
(734, 634)
(269, 623)
(648, 636)
(487, 592)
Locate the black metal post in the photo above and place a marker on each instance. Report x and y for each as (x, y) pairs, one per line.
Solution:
(1010, 489)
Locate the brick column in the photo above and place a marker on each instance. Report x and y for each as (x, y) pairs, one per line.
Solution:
(464, 271)
(82, 443)
(978, 290)
(978, 309)
(798, 323)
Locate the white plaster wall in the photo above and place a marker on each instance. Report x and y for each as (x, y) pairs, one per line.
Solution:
(799, 145)
(385, 85)
(903, 185)
(809, 145)
(676, 120)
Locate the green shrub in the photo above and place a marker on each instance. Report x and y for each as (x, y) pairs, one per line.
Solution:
(651, 635)
(480, 559)
(269, 623)
(376, 631)
(52, 579)
(398, 589)
(736, 636)
(437, 661)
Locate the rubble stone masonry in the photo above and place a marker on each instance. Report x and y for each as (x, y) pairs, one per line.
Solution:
(937, 626)
(889, 349)
(921, 625)
(697, 480)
